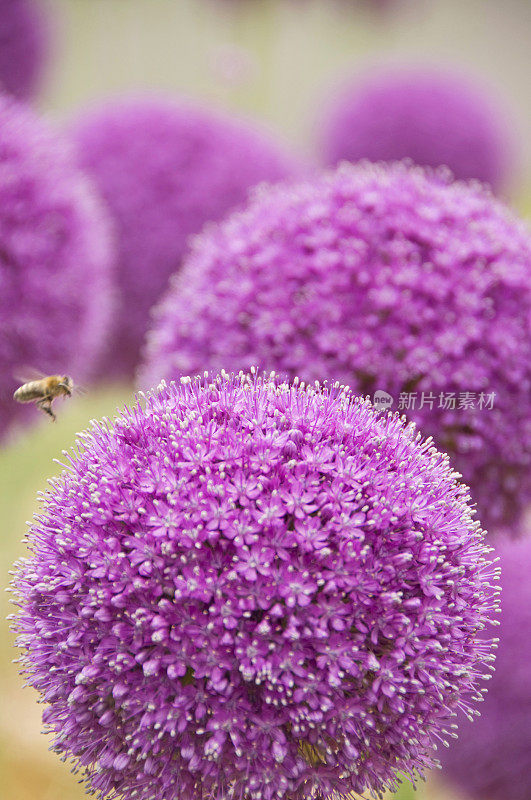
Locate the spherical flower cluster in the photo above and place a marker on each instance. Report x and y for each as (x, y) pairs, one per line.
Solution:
(432, 117)
(492, 758)
(384, 278)
(164, 169)
(23, 46)
(55, 258)
(254, 589)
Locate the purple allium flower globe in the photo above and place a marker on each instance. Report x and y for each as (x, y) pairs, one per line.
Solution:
(434, 118)
(24, 34)
(492, 758)
(55, 259)
(257, 590)
(384, 278)
(164, 169)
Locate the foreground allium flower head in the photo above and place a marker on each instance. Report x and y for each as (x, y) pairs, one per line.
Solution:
(164, 169)
(381, 277)
(24, 35)
(434, 118)
(254, 590)
(55, 258)
(492, 758)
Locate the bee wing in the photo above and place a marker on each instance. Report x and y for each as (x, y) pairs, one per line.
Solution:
(25, 374)
(79, 389)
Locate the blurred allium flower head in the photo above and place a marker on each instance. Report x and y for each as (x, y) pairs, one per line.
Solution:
(164, 169)
(492, 758)
(382, 277)
(55, 258)
(24, 39)
(253, 589)
(432, 117)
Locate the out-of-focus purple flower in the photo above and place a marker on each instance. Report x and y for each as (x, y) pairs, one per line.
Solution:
(434, 118)
(250, 587)
(165, 169)
(24, 35)
(385, 278)
(492, 757)
(55, 258)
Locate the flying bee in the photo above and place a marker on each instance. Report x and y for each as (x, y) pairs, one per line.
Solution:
(43, 392)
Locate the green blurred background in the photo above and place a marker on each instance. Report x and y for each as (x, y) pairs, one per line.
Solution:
(269, 59)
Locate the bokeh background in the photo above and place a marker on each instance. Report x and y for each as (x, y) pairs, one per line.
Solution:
(276, 61)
